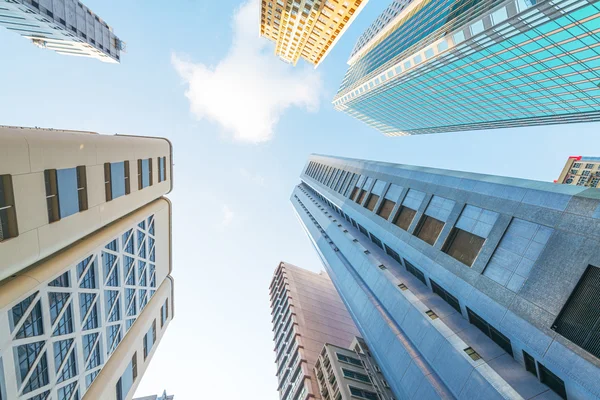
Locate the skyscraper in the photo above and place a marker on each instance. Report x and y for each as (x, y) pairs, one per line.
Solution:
(65, 26)
(85, 259)
(581, 171)
(306, 28)
(462, 285)
(449, 65)
(307, 313)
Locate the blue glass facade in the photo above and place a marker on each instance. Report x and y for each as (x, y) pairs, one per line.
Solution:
(442, 327)
(515, 63)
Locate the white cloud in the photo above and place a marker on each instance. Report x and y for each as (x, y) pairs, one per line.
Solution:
(248, 90)
(227, 218)
(252, 178)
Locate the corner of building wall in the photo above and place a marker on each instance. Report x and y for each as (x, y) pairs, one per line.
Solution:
(172, 295)
(170, 205)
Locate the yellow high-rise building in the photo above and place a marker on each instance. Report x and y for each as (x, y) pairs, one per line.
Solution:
(306, 28)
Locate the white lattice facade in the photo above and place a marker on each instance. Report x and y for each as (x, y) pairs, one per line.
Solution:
(61, 334)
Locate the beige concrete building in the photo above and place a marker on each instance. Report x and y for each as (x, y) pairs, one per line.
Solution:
(86, 291)
(350, 373)
(581, 171)
(306, 28)
(307, 313)
(59, 186)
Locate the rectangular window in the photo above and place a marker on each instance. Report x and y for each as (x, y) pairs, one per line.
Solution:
(376, 240)
(372, 202)
(144, 173)
(579, 320)
(404, 217)
(429, 229)
(116, 180)
(529, 363)
(490, 331)
(162, 169)
(393, 254)
(66, 192)
(363, 394)
(8, 215)
(552, 381)
(356, 375)
(448, 298)
(363, 230)
(463, 246)
(164, 313)
(127, 379)
(386, 209)
(349, 360)
(354, 193)
(417, 273)
(361, 196)
(149, 339)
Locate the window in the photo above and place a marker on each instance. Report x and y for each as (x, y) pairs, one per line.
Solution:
(376, 240)
(448, 298)
(429, 229)
(490, 331)
(361, 196)
(144, 173)
(116, 180)
(127, 379)
(348, 359)
(529, 363)
(8, 215)
(164, 313)
(404, 217)
(149, 339)
(66, 192)
(552, 381)
(363, 394)
(386, 209)
(579, 320)
(392, 254)
(353, 194)
(463, 246)
(162, 169)
(372, 202)
(417, 273)
(356, 375)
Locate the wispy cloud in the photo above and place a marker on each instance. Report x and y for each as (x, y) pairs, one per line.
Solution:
(227, 217)
(248, 90)
(252, 178)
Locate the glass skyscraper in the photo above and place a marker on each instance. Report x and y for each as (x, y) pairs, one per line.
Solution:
(454, 65)
(463, 286)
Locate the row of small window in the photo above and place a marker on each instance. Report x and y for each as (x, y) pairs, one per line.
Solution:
(461, 245)
(547, 377)
(67, 190)
(130, 375)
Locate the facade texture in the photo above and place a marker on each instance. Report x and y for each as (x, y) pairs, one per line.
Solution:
(350, 373)
(307, 313)
(306, 28)
(65, 26)
(86, 289)
(581, 171)
(463, 285)
(449, 65)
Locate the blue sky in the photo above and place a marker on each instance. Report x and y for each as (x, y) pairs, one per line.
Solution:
(242, 124)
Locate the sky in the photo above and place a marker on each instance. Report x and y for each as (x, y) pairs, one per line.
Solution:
(242, 125)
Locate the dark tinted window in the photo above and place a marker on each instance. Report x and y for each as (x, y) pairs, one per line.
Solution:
(463, 246)
(8, 215)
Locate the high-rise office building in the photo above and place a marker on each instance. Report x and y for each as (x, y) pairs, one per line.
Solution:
(65, 26)
(449, 65)
(350, 373)
(307, 313)
(581, 171)
(164, 396)
(306, 28)
(85, 262)
(462, 285)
